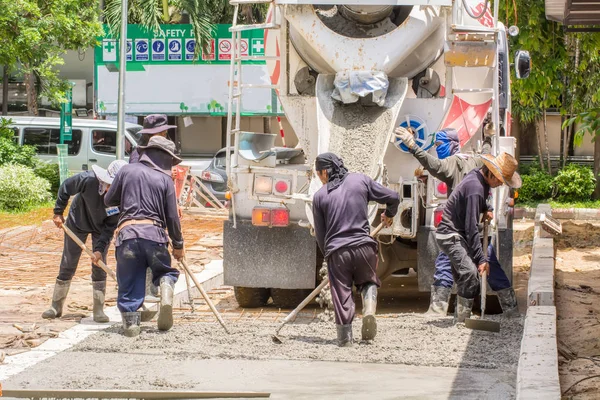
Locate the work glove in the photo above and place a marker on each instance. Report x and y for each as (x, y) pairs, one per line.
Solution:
(407, 138)
(489, 130)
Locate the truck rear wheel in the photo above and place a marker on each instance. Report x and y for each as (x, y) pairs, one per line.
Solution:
(288, 298)
(251, 297)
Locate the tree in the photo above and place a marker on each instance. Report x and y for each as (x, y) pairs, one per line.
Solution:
(36, 33)
(202, 15)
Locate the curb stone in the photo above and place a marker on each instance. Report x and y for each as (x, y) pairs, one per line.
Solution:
(591, 214)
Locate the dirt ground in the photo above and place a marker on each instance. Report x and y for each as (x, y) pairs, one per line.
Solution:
(29, 259)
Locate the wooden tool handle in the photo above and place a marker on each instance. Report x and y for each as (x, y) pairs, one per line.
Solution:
(101, 264)
(484, 274)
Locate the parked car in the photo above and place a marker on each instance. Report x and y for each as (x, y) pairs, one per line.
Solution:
(214, 177)
(93, 141)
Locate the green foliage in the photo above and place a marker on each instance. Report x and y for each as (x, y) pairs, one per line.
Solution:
(536, 186)
(21, 189)
(10, 151)
(575, 183)
(50, 172)
(35, 34)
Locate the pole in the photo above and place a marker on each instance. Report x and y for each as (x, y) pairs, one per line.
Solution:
(5, 91)
(122, 67)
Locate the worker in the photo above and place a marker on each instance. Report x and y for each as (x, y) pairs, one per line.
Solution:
(154, 125)
(87, 215)
(450, 167)
(342, 230)
(146, 195)
(458, 233)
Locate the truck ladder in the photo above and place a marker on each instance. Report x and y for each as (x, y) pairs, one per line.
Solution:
(234, 102)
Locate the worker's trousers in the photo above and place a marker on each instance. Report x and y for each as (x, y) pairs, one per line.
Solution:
(133, 257)
(464, 270)
(72, 253)
(443, 271)
(347, 266)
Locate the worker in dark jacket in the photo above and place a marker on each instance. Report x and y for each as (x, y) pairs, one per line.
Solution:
(458, 234)
(87, 215)
(154, 125)
(146, 195)
(342, 230)
(450, 167)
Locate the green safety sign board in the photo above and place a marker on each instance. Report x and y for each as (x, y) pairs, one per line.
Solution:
(175, 44)
(66, 116)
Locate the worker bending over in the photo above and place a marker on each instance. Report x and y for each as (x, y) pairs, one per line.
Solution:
(450, 167)
(458, 234)
(87, 215)
(342, 231)
(146, 195)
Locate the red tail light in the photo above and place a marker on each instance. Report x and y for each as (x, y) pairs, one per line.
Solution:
(437, 217)
(442, 188)
(280, 217)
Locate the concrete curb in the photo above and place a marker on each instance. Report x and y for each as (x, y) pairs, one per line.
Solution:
(210, 278)
(537, 373)
(590, 214)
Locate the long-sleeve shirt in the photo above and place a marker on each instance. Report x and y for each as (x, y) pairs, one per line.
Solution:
(134, 157)
(452, 170)
(88, 212)
(145, 193)
(341, 216)
(463, 212)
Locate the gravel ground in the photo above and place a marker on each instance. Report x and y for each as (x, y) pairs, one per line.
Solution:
(409, 339)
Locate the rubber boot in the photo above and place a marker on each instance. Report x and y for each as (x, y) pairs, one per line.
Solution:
(508, 302)
(344, 335)
(99, 293)
(463, 309)
(61, 288)
(150, 287)
(131, 323)
(440, 298)
(165, 313)
(369, 323)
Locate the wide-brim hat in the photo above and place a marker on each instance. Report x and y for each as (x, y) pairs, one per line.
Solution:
(108, 175)
(504, 167)
(164, 144)
(155, 123)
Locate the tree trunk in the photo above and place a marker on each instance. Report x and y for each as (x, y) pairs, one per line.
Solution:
(32, 104)
(539, 145)
(597, 166)
(570, 131)
(5, 91)
(546, 141)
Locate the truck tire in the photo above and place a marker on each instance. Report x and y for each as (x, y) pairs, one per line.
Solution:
(251, 297)
(289, 298)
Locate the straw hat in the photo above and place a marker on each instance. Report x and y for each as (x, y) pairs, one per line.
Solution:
(504, 167)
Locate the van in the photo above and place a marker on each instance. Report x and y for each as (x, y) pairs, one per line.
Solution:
(93, 141)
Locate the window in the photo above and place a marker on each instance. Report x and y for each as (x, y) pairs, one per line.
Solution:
(46, 139)
(16, 135)
(105, 142)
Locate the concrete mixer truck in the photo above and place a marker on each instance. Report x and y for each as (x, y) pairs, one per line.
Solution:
(347, 75)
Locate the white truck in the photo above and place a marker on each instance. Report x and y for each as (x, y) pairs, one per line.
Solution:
(347, 75)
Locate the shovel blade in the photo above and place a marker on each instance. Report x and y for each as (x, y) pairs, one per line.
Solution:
(482, 325)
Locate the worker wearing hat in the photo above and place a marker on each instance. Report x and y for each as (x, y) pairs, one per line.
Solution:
(87, 215)
(146, 195)
(154, 125)
(458, 234)
(342, 230)
(450, 167)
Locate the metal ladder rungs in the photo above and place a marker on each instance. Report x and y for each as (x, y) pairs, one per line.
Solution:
(485, 90)
(257, 58)
(258, 86)
(240, 28)
(473, 29)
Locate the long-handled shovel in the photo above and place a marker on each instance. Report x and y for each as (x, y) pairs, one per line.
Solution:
(203, 293)
(482, 324)
(147, 314)
(311, 296)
